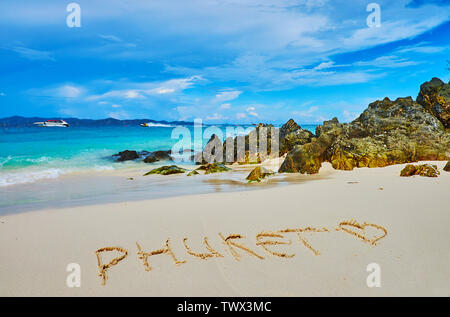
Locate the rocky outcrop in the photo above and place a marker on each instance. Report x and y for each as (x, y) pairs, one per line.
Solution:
(213, 151)
(447, 166)
(427, 170)
(252, 148)
(256, 146)
(126, 156)
(308, 158)
(213, 168)
(291, 134)
(387, 132)
(434, 96)
(157, 156)
(258, 174)
(166, 170)
(192, 173)
(149, 157)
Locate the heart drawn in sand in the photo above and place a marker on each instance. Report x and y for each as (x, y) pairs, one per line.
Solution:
(359, 230)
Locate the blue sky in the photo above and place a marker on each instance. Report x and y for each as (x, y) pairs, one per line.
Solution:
(219, 60)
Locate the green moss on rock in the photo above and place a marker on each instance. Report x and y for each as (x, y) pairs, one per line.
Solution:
(213, 168)
(258, 174)
(167, 170)
(427, 170)
(192, 173)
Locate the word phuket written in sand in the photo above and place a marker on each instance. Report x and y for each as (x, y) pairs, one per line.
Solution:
(266, 240)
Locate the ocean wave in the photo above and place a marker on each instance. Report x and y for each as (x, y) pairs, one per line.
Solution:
(4, 160)
(24, 177)
(23, 160)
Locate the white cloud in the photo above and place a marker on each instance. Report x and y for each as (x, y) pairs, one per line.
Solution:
(225, 106)
(387, 62)
(240, 115)
(324, 65)
(215, 116)
(227, 95)
(31, 54)
(68, 91)
(65, 91)
(162, 91)
(142, 90)
(251, 111)
(422, 48)
(308, 113)
(119, 115)
(131, 94)
(116, 106)
(112, 38)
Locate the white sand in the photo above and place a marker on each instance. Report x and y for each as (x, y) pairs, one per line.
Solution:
(414, 257)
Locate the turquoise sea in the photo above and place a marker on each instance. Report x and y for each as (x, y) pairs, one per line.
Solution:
(35, 155)
(30, 154)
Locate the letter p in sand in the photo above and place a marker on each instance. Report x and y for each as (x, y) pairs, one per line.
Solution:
(104, 267)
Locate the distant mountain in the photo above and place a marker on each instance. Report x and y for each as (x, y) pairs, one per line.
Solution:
(17, 121)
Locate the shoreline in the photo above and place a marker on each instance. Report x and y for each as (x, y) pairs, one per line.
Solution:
(152, 187)
(413, 256)
(166, 186)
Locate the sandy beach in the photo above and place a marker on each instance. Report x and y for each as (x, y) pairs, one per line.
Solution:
(406, 234)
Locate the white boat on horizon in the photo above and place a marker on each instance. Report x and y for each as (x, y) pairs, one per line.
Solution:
(52, 123)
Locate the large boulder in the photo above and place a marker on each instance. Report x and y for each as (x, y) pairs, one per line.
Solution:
(166, 170)
(157, 156)
(390, 132)
(308, 158)
(252, 148)
(291, 134)
(434, 96)
(213, 151)
(126, 156)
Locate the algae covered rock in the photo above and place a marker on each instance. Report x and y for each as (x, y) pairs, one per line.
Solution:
(213, 151)
(434, 96)
(258, 174)
(387, 132)
(408, 170)
(308, 158)
(192, 173)
(252, 148)
(213, 168)
(166, 170)
(427, 170)
(447, 166)
(291, 134)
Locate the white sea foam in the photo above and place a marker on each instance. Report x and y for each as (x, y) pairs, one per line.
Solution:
(26, 176)
(23, 177)
(5, 160)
